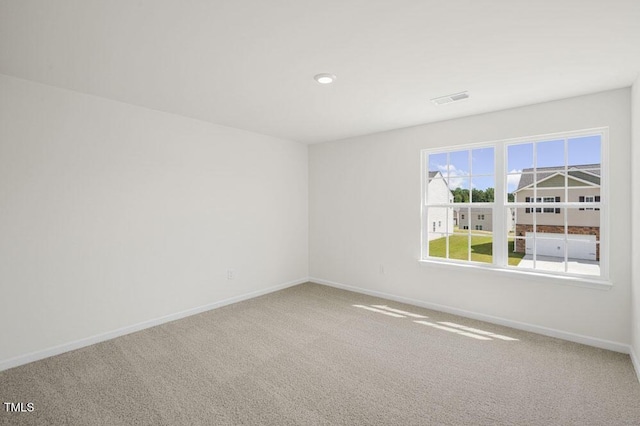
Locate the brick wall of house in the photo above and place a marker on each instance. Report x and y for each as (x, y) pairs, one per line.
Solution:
(521, 231)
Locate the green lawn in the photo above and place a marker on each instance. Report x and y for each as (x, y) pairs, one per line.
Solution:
(481, 248)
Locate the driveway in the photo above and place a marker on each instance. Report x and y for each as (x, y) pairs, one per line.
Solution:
(549, 263)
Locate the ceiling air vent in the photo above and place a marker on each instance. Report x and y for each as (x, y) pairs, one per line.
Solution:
(450, 98)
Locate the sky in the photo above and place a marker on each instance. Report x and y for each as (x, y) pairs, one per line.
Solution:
(480, 162)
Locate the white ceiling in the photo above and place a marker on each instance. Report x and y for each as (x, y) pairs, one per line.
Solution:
(250, 63)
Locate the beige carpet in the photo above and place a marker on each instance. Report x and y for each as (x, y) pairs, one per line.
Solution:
(307, 355)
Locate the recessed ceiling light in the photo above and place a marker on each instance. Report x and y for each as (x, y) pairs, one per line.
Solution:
(325, 78)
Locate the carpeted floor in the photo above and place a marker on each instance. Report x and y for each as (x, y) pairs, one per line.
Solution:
(307, 355)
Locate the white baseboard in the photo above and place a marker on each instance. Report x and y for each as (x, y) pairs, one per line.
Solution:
(635, 361)
(81, 343)
(565, 335)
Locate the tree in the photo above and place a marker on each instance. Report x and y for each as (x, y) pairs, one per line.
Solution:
(489, 195)
(479, 196)
(460, 195)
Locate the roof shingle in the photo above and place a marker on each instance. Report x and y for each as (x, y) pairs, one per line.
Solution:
(587, 172)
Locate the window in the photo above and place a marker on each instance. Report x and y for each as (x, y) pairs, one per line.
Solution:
(536, 200)
(589, 199)
(542, 200)
(469, 176)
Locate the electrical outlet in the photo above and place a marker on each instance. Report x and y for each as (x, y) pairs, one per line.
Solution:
(231, 274)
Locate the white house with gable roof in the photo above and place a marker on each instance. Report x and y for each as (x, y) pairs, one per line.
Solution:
(440, 218)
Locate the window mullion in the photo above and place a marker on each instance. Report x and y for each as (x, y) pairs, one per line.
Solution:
(566, 199)
(498, 208)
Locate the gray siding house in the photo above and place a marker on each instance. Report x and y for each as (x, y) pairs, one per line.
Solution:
(583, 224)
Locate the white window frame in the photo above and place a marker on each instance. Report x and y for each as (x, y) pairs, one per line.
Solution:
(501, 206)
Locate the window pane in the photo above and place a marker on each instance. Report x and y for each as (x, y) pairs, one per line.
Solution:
(549, 251)
(542, 245)
(458, 164)
(526, 181)
(459, 246)
(481, 219)
(510, 216)
(513, 182)
(547, 225)
(582, 247)
(482, 248)
(483, 161)
(513, 243)
(483, 189)
(463, 219)
(548, 220)
(550, 246)
(585, 195)
(519, 157)
(581, 176)
(439, 225)
(542, 251)
(440, 221)
(438, 192)
(438, 163)
(481, 229)
(460, 190)
(582, 257)
(554, 178)
(584, 221)
(516, 251)
(584, 150)
(438, 245)
(550, 154)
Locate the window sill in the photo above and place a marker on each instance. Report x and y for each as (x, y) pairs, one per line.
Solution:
(529, 275)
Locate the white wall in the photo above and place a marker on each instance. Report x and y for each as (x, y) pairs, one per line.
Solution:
(635, 190)
(365, 212)
(111, 215)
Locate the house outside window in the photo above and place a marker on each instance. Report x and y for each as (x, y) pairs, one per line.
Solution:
(589, 199)
(541, 200)
(538, 202)
(440, 193)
